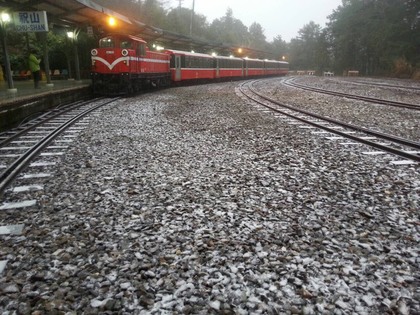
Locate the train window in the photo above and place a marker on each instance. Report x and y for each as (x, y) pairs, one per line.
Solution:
(125, 44)
(142, 48)
(191, 62)
(106, 42)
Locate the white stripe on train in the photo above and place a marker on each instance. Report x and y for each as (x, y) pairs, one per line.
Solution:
(122, 59)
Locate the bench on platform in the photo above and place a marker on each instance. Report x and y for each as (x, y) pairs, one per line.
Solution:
(353, 73)
(59, 75)
(21, 75)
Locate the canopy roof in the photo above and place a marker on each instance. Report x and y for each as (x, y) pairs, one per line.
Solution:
(83, 13)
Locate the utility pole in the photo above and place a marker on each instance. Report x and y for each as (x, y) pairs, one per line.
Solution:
(180, 3)
(192, 18)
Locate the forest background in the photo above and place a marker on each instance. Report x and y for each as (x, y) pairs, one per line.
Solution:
(374, 37)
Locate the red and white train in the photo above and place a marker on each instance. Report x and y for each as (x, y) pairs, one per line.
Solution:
(123, 64)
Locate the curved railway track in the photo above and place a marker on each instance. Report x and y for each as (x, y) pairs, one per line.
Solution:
(22, 145)
(398, 146)
(28, 152)
(383, 85)
(291, 82)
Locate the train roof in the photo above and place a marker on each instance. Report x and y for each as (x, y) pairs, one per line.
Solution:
(251, 59)
(230, 58)
(132, 37)
(186, 53)
(277, 61)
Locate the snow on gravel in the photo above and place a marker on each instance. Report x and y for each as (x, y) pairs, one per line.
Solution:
(191, 201)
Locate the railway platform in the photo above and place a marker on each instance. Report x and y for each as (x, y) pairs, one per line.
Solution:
(26, 89)
(26, 101)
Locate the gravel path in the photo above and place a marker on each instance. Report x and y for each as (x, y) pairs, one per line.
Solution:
(189, 201)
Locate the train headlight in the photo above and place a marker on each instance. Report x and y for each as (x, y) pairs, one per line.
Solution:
(124, 52)
(94, 52)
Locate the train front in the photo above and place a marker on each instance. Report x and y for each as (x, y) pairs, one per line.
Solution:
(111, 66)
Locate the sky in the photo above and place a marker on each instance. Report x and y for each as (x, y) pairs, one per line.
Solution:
(277, 17)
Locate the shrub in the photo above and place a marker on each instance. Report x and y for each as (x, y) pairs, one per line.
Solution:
(402, 68)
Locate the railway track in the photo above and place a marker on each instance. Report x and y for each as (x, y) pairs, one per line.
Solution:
(383, 85)
(400, 147)
(27, 154)
(292, 83)
(20, 146)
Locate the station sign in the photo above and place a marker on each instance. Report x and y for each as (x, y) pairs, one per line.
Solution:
(30, 21)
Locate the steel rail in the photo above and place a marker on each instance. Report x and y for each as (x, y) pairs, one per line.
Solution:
(386, 148)
(413, 88)
(56, 112)
(20, 163)
(290, 82)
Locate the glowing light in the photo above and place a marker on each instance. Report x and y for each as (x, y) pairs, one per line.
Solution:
(192, 51)
(283, 57)
(213, 54)
(70, 34)
(5, 17)
(111, 21)
(240, 50)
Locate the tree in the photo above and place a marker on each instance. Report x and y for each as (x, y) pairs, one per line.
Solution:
(178, 20)
(370, 35)
(257, 39)
(279, 48)
(229, 30)
(152, 13)
(304, 49)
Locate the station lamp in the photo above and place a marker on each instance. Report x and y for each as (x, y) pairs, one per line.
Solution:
(158, 47)
(4, 20)
(72, 35)
(5, 17)
(112, 21)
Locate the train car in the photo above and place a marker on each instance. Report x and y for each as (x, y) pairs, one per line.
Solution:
(186, 66)
(229, 67)
(275, 67)
(123, 64)
(254, 67)
(283, 68)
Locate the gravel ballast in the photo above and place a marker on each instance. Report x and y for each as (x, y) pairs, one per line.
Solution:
(191, 201)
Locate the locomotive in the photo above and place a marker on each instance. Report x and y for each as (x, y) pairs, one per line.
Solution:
(123, 64)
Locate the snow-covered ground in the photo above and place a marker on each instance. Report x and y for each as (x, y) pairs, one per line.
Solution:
(191, 201)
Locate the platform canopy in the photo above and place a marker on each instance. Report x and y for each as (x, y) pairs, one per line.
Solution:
(84, 13)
